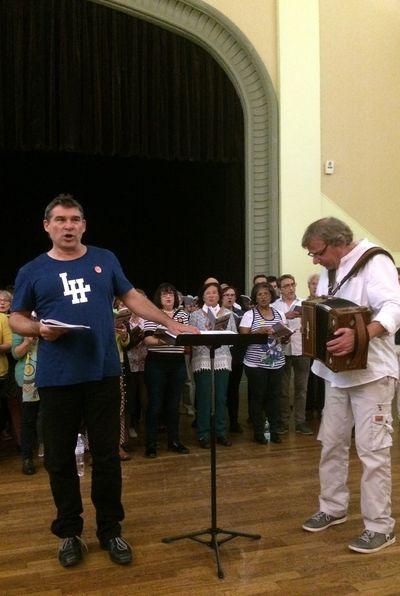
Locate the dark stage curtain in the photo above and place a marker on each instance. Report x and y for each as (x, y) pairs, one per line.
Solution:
(77, 76)
(166, 221)
(109, 107)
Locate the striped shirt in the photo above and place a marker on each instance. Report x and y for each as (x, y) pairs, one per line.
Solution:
(268, 355)
(150, 327)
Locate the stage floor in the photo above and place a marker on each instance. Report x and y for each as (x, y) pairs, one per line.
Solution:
(268, 490)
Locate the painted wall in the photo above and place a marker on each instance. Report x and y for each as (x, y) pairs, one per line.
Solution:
(360, 112)
(257, 20)
(299, 117)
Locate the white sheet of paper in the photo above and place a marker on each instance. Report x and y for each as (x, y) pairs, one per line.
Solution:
(61, 324)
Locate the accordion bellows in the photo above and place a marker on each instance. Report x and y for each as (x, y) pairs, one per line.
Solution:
(320, 319)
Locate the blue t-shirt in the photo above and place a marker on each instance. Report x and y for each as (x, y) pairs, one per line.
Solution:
(80, 292)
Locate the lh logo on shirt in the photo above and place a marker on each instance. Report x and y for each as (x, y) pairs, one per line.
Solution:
(75, 288)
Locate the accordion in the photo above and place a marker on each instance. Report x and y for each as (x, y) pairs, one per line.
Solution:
(320, 319)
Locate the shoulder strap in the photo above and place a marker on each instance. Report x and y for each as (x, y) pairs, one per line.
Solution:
(359, 264)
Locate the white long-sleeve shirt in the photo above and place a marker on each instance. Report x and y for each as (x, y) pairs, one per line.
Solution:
(294, 347)
(377, 287)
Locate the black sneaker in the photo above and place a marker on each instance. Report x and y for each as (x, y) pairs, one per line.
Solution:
(275, 438)
(204, 442)
(119, 550)
(71, 551)
(151, 451)
(224, 441)
(28, 467)
(236, 428)
(178, 447)
(260, 438)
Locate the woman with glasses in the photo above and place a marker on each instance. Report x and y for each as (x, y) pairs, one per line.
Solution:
(164, 374)
(5, 301)
(263, 363)
(209, 302)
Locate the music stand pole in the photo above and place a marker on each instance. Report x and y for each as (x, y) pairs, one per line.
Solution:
(213, 531)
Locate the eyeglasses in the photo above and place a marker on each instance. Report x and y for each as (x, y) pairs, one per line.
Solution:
(319, 253)
(6, 300)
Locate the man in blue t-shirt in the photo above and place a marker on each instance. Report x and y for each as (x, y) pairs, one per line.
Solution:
(78, 370)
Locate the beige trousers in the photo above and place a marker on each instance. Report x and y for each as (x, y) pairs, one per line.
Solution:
(368, 408)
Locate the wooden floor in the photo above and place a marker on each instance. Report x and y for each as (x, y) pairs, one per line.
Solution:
(268, 490)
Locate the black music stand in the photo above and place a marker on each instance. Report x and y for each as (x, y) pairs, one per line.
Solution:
(214, 341)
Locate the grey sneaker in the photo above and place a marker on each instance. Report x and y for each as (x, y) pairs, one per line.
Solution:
(303, 429)
(321, 521)
(371, 542)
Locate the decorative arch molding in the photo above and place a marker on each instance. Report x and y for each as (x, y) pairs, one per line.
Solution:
(204, 25)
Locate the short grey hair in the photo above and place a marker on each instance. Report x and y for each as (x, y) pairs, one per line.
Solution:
(6, 295)
(330, 229)
(311, 277)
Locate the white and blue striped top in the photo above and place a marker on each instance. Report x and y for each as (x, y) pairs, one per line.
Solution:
(269, 355)
(150, 327)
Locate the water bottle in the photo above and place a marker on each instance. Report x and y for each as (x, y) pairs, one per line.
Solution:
(267, 432)
(79, 454)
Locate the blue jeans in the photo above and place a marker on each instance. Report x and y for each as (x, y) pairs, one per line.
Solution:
(164, 376)
(203, 401)
(95, 404)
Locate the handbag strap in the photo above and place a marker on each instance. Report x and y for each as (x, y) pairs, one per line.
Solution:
(359, 264)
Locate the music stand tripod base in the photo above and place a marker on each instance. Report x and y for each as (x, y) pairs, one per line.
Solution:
(214, 542)
(213, 342)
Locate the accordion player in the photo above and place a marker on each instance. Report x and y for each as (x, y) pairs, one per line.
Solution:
(321, 317)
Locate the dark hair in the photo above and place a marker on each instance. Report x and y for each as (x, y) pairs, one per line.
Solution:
(272, 278)
(64, 200)
(284, 276)
(244, 302)
(259, 275)
(200, 299)
(226, 288)
(261, 286)
(165, 287)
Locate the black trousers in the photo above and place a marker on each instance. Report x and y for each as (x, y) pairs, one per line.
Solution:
(29, 425)
(95, 404)
(164, 376)
(4, 413)
(265, 390)
(233, 394)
